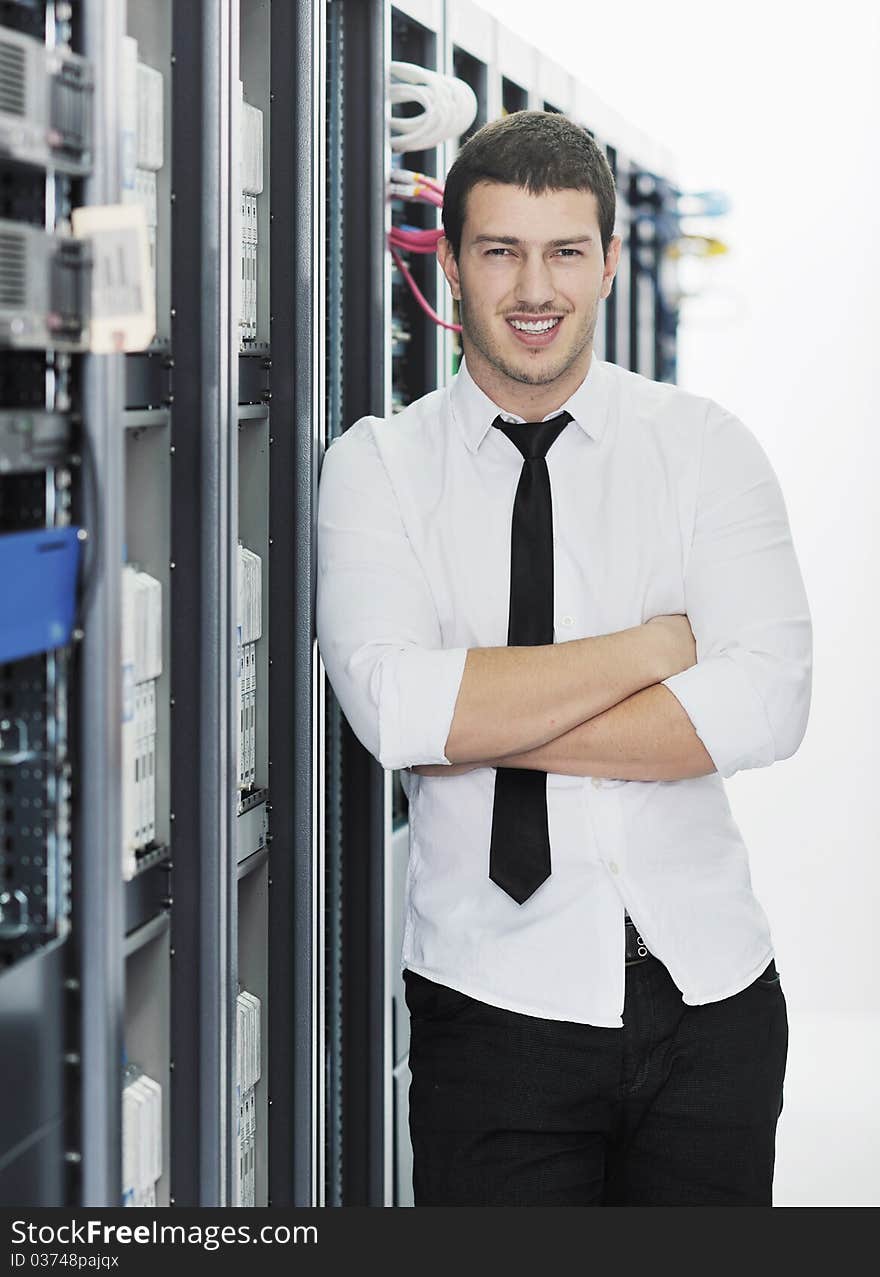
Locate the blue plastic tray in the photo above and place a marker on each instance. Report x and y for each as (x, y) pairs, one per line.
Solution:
(38, 578)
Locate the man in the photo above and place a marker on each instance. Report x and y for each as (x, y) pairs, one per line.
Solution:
(564, 599)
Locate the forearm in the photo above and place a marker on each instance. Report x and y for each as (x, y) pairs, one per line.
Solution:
(516, 699)
(647, 736)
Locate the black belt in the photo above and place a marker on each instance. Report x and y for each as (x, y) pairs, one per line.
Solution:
(636, 949)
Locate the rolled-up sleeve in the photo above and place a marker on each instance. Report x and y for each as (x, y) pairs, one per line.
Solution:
(748, 696)
(377, 625)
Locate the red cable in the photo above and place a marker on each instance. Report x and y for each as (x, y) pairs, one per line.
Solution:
(421, 241)
(413, 241)
(456, 328)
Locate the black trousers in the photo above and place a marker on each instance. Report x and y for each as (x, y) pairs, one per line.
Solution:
(677, 1108)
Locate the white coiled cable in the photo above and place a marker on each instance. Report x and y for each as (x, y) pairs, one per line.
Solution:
(449, 107)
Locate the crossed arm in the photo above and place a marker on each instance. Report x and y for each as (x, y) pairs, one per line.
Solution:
(645, 736)
(568, 708)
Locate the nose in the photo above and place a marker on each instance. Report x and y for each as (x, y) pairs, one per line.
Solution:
(534, 282)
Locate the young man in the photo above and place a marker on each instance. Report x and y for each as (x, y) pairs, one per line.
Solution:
(564, 599)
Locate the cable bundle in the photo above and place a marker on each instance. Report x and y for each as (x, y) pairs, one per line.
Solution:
(404, 184)
(449, 107)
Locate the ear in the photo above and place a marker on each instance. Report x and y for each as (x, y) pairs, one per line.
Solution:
(446, 258)
(612, 261)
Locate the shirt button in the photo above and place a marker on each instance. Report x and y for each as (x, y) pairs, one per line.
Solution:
(613, 866)
(597, 782)
(568, 620)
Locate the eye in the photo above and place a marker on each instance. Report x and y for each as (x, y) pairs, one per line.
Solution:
(497, 250)
(575, 251)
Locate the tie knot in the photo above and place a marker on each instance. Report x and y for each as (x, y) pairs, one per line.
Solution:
(534, 438)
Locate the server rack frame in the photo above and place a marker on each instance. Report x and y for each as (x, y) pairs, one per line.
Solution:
(98, 912)
(205, 343)
(358, 1061)
(297, 1067)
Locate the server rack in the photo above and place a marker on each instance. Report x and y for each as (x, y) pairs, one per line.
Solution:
(51, 435)
(255, 884)
(168, 455)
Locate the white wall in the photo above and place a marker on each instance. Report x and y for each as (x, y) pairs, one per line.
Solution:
(777, 104)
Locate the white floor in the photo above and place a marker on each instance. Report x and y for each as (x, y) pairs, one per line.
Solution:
(829, 1130)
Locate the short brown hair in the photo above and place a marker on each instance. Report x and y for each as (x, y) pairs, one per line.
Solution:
(538, 150)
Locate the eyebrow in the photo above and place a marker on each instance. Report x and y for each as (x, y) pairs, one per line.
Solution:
(551, 243)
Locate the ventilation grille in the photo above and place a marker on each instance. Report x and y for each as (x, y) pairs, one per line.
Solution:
(13, 271)
(12, 78)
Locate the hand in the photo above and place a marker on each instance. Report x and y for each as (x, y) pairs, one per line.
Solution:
(674, 644)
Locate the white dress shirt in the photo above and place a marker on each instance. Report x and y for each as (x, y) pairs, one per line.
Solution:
(663, 502)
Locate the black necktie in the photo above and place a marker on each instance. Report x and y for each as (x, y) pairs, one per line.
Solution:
(519, 851)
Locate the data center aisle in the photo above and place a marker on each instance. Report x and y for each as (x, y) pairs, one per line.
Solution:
(202, 871)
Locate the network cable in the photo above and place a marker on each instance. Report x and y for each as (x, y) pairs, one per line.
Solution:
(405, 184)
(449, 107)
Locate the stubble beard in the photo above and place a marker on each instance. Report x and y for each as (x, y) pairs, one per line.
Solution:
(544, 373)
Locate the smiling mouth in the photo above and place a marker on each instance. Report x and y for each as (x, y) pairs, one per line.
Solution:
(535, 332)
(535, 325)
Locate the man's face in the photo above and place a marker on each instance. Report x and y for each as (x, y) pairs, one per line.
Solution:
(527, 259)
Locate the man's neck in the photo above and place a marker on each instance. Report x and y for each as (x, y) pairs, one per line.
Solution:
(532, 403)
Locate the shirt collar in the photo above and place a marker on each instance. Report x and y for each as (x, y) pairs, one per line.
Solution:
(474, 411)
